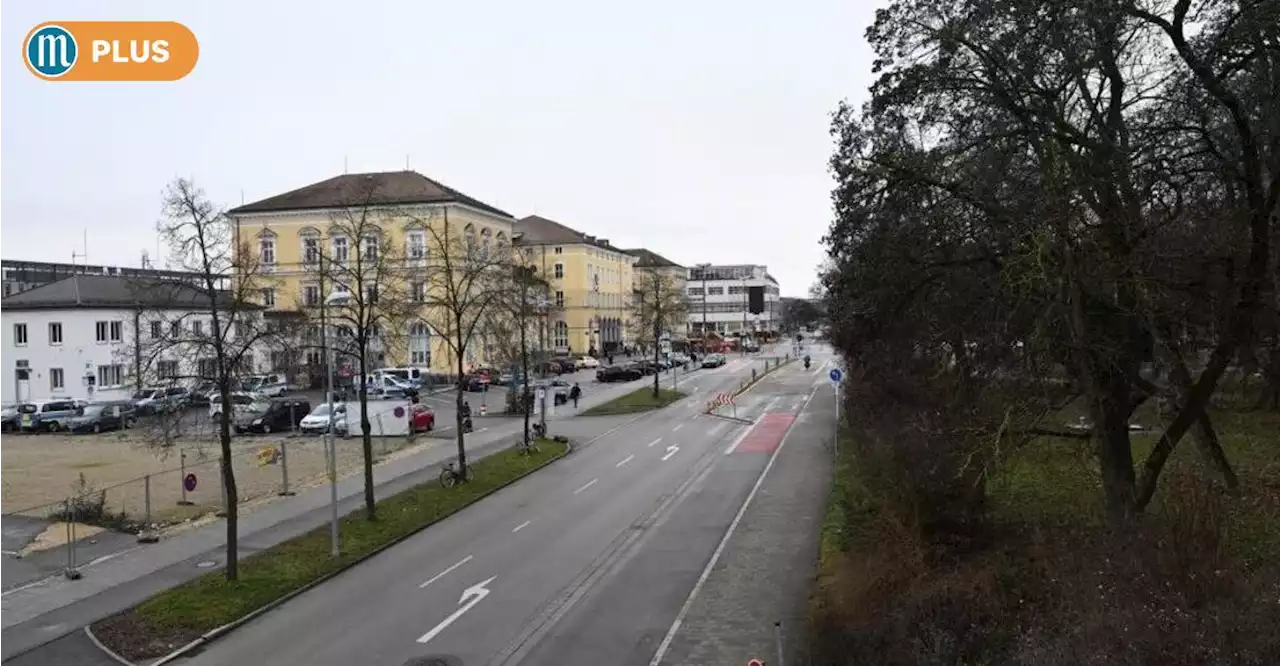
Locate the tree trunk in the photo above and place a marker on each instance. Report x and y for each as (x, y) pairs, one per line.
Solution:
(525, 407)
(1202, 431)
(657, 326)
(230, 499)
(1110, 410)
(462, 388)
(366, 439)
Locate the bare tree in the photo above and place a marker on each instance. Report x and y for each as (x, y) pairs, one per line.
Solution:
(658, 308)
(513, 323)
(463, 271)
(204, 241)
(371, 301)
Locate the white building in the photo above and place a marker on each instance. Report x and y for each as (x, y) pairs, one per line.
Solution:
(79, 338)
(719, 299)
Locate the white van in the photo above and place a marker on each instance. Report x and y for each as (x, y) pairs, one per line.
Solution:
(415, 377)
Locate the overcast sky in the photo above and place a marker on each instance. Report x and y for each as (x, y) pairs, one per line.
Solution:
(696, 129)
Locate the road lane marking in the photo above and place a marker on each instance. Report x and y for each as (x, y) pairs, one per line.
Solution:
(655, 441)
(470, 597)
(678, 426)
(624, 461)
(588, 484)
(716, 430)
(446, 572)
(715, 556)
(671, 451)
(521, 526)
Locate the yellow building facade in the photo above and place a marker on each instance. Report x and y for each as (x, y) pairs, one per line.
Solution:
(589, 285)
(290, 235)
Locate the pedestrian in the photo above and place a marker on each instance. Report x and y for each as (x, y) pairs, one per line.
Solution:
(610, 358)
(575, 394)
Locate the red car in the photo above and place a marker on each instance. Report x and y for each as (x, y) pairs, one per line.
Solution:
(421, 418)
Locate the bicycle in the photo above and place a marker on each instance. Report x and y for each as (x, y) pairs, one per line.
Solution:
(450, 476)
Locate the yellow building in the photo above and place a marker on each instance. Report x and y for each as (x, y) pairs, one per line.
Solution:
(292, 233)
(590, 285)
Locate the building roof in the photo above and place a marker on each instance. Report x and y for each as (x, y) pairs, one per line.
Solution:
(114, 292)
(650, 259)
(354, 189)
(535, 230)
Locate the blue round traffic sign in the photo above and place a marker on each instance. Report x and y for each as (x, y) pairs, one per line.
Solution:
(836, 375)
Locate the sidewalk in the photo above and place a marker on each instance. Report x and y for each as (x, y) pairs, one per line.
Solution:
(46, 610)
(768, 566)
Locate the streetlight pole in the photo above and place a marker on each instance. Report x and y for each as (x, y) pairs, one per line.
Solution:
(703, 269)
(746, 305)
(330, 453)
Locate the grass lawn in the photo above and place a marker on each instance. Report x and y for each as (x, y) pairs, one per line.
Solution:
(177, 616)
(639, 400)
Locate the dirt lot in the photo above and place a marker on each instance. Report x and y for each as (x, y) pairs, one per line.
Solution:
(41, 471)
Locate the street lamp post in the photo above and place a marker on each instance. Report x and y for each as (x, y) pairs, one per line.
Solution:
(330, 453)
(703, 269)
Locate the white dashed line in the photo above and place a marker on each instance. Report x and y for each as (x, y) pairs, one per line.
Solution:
(588, 484)
(671, 451)
(678, 426)
(446, 572)
(521, 526)
(624, 461)
(655, 441)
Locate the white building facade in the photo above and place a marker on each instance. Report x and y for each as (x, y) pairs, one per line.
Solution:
(89, 338)
(718, 299)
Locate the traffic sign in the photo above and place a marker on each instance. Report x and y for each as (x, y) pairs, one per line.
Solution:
(189, 482)
(836, 375)
(755, 662)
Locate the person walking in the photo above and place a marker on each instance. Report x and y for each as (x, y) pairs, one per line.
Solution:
(575, 394)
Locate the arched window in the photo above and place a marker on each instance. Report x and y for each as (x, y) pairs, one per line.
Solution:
(502, 241)
(419, 344)
(561, 334)
(469, 233)
(486, 242)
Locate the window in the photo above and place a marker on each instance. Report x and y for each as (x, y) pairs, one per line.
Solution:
(715, 291)
(486, 241)
(117, 331)
(19, 335)
(55, 333)
(733, 290)
(559, 270)
(340, 249)
(100, 331)
(56, 379)
(267, 251)
(269, 297)
(311, 250)
(197, 326)
(167, 369)
(416, 245)
(207, 368)
(110, 375)
(418, 292)
(559, 299)
(695, 291)
(470, 234)
(370, 245)
(561, 335)
(157, 329)
(311, 295)
(558, 250)
(419, 344)
(175, 329)
(370, 294)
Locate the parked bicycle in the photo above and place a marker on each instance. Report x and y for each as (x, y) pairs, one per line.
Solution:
(450, 476)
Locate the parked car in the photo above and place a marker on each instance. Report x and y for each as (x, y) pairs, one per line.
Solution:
(557, 390)
(415, 377)
(240, 402)
(619, 373)
(548, 367)
(586, 363)
(157, 399)
(272, 385)
(387, 387)
(10, 418)
(202, 394)
(421, 418)
(96, 417)
(477, 380)
(47, 415)
(317, 421)
(281, 415)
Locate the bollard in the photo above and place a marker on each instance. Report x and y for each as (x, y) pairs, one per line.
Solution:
(182, 478)
(71, 571)
(284, 469)
(777, 635)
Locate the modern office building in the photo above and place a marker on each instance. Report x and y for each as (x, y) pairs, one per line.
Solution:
(730, 300)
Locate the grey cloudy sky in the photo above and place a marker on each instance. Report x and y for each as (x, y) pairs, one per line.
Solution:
(696, 129)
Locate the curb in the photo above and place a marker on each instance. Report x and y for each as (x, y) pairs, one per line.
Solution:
(218, 632)
(744, 389)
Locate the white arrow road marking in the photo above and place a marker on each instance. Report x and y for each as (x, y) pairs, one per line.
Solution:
(671, 451)
(446, 572)
(624, 461)
(470, 597)
(588, 484)
(655, 441)
(520, 526)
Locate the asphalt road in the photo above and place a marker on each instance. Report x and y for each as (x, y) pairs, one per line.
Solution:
(586, 562)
